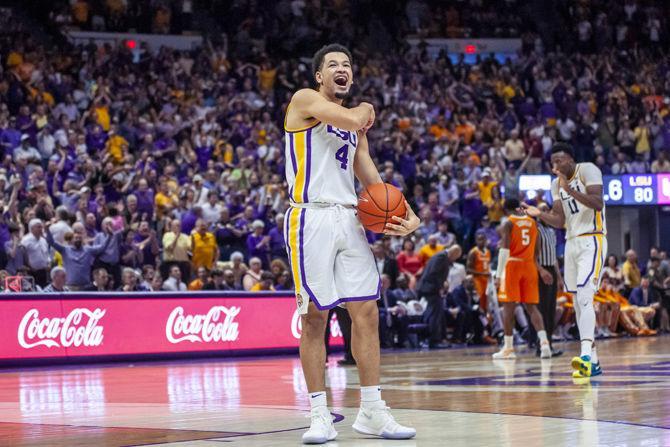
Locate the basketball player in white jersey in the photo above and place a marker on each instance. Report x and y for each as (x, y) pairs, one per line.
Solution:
(577, 192)
(331, 261)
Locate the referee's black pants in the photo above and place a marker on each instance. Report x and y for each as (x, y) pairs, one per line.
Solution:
(547, 304)
(435, 318)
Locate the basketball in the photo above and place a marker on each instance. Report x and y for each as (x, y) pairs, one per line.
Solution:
(377, 205)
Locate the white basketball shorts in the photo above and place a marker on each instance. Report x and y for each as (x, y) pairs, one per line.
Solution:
(330, 258)
(584, 261)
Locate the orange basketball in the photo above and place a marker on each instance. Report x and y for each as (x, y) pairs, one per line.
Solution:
(378, 203)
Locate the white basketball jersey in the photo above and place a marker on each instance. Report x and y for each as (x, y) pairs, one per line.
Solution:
(580, 219)
(320, 164)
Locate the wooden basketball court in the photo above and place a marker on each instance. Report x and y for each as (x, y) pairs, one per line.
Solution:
(456, 397)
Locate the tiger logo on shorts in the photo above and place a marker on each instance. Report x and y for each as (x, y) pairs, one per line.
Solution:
(298, 298)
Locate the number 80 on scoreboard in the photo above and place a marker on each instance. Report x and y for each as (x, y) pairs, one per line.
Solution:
(634, 189)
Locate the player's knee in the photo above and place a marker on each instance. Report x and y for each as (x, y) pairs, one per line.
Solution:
(365, 312)
(585, 295)
(314, 323)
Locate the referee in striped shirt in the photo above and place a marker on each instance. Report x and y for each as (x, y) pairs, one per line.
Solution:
(548, 292)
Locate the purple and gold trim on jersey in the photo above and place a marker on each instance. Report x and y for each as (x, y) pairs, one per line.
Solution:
(597, 263)
(598, 221)
(296, 252)
(300, 147)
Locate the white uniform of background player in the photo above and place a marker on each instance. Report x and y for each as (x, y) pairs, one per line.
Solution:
(579, 207)
(329, 254)
(586, 232)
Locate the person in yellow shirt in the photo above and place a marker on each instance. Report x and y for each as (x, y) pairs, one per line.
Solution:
(266, 76)
(14, 59)
(430, 249)
(641, 133)
(176, 246)
(165, 200)
(116, 145)
(101, 114)
(631, 271)
(265, 284)
(495, 206)
(485, 186)
(203, 247)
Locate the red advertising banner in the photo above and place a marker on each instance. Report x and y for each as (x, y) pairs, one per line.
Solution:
(90, 324)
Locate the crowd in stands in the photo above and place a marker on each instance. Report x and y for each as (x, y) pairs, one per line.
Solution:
(142, 16)
(141, 171)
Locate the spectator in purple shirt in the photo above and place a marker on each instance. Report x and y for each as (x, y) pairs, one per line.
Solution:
(145, 199)
(258, 244)
(277, 242)
(147, 243)
(96, 139)
(472, 213)
(190, 218)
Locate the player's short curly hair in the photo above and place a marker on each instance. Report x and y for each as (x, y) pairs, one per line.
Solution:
(511, 204)
(319, 56)
(563, 147)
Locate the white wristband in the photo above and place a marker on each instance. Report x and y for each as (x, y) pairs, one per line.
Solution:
(503, 254)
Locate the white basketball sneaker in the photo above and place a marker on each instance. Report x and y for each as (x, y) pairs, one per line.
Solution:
(545, 351)
(321, 429)
(376, 420)
(504, 354)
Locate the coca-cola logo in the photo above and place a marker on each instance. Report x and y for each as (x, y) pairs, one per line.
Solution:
(296, 326)
(217, 325)
(79, 328)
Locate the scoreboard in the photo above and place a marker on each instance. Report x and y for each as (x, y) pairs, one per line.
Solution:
(637, 189)
(627, 189)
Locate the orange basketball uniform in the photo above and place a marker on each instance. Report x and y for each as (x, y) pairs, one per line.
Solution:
(482, 265)
(521, 276)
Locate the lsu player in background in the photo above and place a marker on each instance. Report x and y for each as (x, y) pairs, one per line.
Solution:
(331, 261)
(577, 192)
(518, 275)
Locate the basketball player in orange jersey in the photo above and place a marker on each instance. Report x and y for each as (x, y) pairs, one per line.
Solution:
(331, 261)
(517, 273)
(478, 265)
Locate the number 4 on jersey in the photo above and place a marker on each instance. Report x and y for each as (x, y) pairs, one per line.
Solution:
(342, 155)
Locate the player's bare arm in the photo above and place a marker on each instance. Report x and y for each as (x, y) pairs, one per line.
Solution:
(593, 198)
(364, 167)
(366, 172)
(554, 217)
(308, 105)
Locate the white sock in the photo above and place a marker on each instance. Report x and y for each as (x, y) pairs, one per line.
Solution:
(587, 348)
(318, 399)
(594, 355)
(542, 335)
(509, 342)
(370, 394)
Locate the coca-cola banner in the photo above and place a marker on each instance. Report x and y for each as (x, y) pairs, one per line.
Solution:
(91, 324)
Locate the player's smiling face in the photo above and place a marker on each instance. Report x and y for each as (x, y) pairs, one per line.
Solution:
(335, 75)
